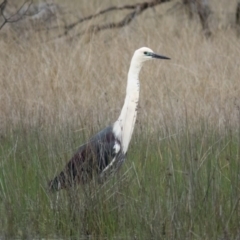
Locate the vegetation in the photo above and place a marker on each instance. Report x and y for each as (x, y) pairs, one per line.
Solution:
(181, 177)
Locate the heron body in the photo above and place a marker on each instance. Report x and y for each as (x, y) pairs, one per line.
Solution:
(106, 151)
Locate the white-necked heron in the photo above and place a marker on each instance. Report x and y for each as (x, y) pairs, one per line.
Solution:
(105, 152)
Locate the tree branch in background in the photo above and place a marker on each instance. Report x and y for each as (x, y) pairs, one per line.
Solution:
(17, 16)
(2, 8)
(238, 18)
(137, 10)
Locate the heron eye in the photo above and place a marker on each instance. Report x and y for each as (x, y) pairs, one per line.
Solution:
(147, 53)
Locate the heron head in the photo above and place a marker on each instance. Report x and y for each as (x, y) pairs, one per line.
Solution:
(143, 54)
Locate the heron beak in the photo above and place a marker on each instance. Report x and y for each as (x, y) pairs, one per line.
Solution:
(154, 55)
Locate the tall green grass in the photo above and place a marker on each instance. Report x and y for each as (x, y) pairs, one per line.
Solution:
(183, 185)
(181, 176)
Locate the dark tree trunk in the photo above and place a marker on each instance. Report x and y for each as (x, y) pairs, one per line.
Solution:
(238, 18)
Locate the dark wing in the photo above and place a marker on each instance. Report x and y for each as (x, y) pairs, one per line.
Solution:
(91, 158)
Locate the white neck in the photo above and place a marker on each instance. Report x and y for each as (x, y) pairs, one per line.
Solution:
(123, 127)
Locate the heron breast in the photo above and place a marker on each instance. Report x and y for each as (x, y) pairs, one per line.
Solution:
(116, 147)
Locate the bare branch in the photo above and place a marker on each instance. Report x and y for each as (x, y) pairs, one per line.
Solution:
(2, 8)
(69, 27)
(16, 16)
(137, 10)
(3, 5)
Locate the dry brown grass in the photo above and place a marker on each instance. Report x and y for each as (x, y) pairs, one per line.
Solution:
(184, 186)
(56, 82)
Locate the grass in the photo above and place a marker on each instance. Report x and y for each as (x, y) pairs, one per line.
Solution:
(184, 186)
(181, 177)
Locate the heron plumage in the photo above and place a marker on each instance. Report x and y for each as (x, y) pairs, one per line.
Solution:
(106, 151)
